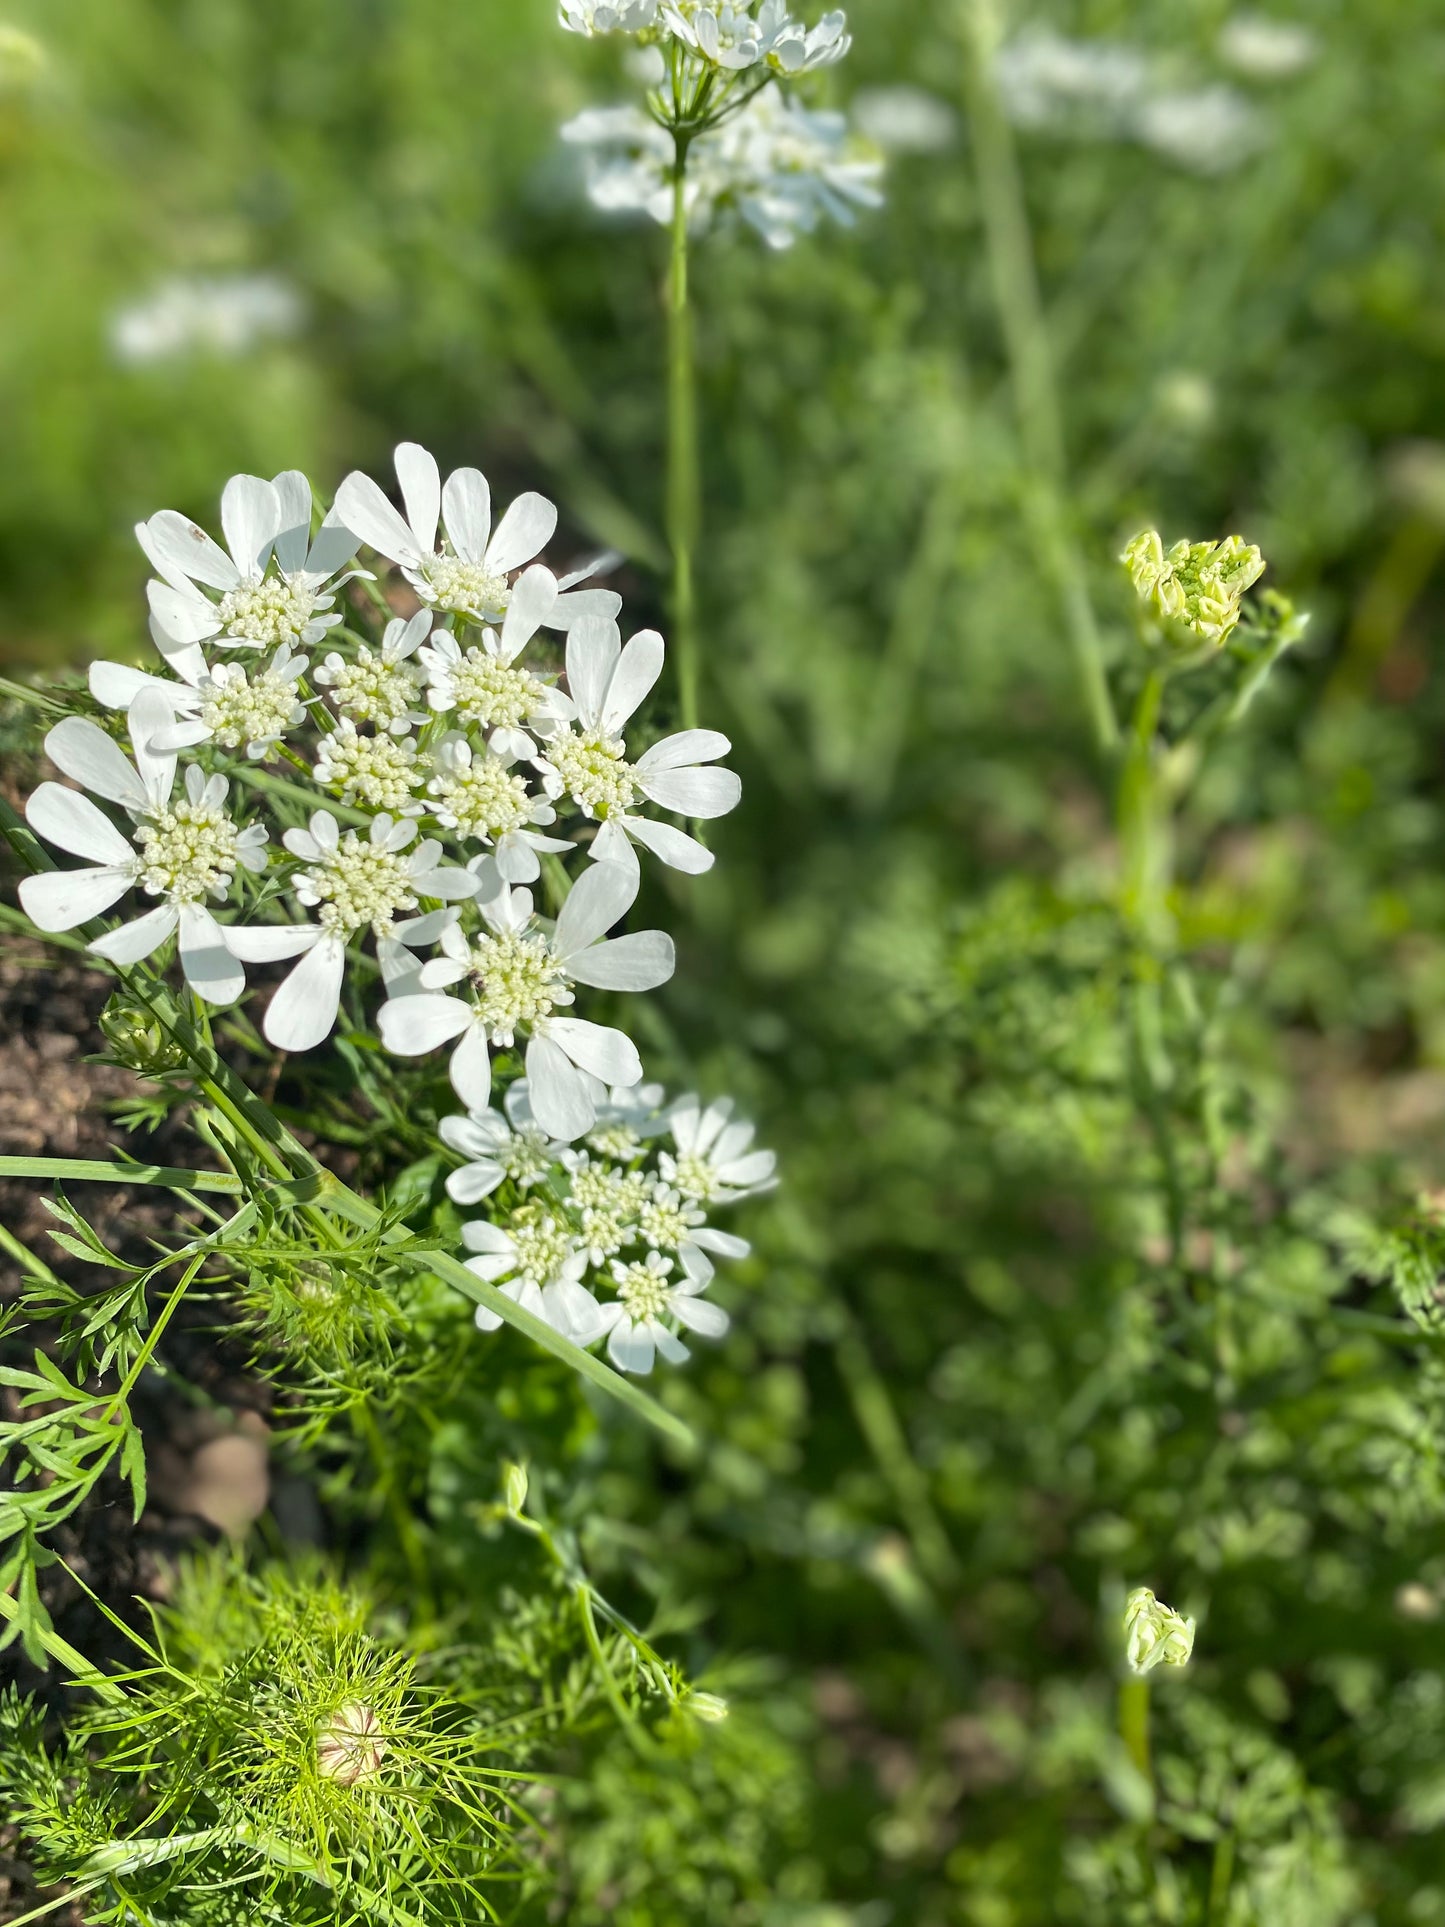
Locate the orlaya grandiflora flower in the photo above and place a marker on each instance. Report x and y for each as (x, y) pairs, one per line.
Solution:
(355, 882)
(599, 17)
(586, 758)
(647, 1297)
(498, 1145)
(485, 686)
(183, 850)
(515, 976)
(539, 1263)
(222, 702)
(470, 575)
(276, 586)
(382, 687)
(477, 794)
(715, 1162)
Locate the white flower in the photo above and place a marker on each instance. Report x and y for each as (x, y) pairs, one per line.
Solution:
(714, 1162)
(1208, 130)
(726, 36)
(219, 314)
(276, 585)
(471, 575)
(905, 120)
(645, 1297)
(1266, 49)
(543, 1265)
(480, 797)
(217, 702)
(497, 1147)
(183, 851)
(793, 49)
(587, 760)
(670, 1222)
(608, 1203)
(382, 687)
(626, 1117)
(778, 166)
(354, 881)
(485, 685)
(379, 772)
(623, 16)
(515, 976)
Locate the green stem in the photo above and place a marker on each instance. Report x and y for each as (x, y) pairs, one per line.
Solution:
(1143, 819)
(1031, 369)
(60, 1650)
(96, 1171)
(1221, 1878)
(1134, 1726)
(684, 482)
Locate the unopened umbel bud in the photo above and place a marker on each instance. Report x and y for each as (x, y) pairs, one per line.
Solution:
(514, 1487)
(348, 1746)
(1155, 1635)
(711, 1707)
(1196, 586)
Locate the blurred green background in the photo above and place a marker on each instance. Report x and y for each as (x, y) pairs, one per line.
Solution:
(952, 1417)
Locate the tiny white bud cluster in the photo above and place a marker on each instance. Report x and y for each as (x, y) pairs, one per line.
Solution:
(356, 884)
(379, 772)
(516, 979)
(468, 588)
(189, 851)
(592, 768)
(372, 690)
(274, 610)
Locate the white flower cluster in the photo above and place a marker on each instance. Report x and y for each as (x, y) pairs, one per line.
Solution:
(779, 166)
(223, 315)
(415, 781)
(623, 1214)
(1103, 90)
(734, 38)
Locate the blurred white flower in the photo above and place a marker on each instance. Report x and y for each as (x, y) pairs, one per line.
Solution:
(777, 165)
(183, 850)
(498, 1147)
(715, 1162)
(637, 1320)
(196, 314)
(1207, 131)
(621, 16)
(905, 120)
(1265, 49)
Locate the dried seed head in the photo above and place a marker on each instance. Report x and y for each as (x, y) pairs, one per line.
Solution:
(348, 1747)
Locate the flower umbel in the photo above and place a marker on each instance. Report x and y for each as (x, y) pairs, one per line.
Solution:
(1155, 1635)
(1195, 586)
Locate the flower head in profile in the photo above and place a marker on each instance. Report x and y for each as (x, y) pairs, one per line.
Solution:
(1197, 587)
(513, 979)
(586, 757)
(598, 17)
(1155, 1635)
(223, 703)
(643, 1320)
(183, 850)
(446, 546)
(355, 882)
(272, 584)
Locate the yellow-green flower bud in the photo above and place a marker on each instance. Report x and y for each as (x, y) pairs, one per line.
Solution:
(707, 1706)
(514, 1487)
(1155, 1635)
(1195, 586)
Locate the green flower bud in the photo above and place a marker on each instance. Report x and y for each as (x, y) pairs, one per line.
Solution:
(1195, 586)
(1154, 1635)
(136, 1040)
(707, 1706)
(514, 1487)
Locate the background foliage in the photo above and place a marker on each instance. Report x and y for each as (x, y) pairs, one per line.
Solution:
(1011, 1340)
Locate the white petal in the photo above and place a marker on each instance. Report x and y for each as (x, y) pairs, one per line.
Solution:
(474, 1182)
(182, 616)
(134, 941)
(692, 792)
(672, 846)
(210, 968)
(572, 1310)
(181, 736)
(293, 520)
(687, 747)
(636, 672)
(672, 1349)
(371, 517)
(182, 550)
(597, 900)
(83, 751)
(411, 1026)
(250, 516)
(60, 899)
(607, 1054)
(631, 1348)
(334, 547)
(467, 508)
(148, 715)
(584, 605)
(482, 1235)
(270, 942)
(523, 532)
(421, 491)
(743, 1173)
(303, 1011)
(701, 1315)
(561, 1100)
(72, 822)
(593, 649)
(116, 685)
(471, 1068)
(534, 596)
(641, 961)
(723, 1244)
